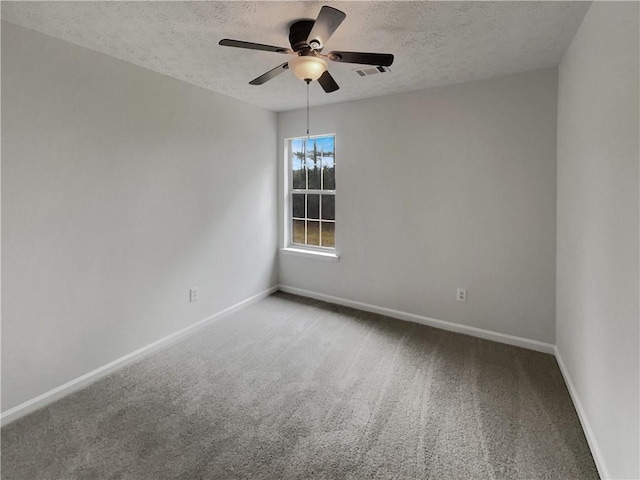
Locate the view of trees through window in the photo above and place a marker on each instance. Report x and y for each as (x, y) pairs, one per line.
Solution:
(313, 190)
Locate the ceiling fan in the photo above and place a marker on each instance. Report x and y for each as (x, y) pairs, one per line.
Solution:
(307, 39)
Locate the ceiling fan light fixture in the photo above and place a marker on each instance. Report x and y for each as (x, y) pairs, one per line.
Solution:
(308, 67)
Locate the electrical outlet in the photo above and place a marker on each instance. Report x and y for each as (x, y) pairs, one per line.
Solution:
(193, 294)
(461, 296)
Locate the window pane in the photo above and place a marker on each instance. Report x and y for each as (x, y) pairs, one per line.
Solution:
(314, 174)
(314, 164)
(313, 206)
(328, 164)
(328, 207)
(325, 145)
(298, 205)
(328, 234)
(297, 164)
(313, 233)
(329, 177)
(298, 231)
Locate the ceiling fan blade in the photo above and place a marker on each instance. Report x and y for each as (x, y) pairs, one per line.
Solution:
(381, 59)
(253, 46)
(270, 74)
(328, 21)
(327, 82)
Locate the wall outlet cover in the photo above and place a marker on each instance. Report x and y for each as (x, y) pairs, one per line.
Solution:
(461, 295)
(193, 294)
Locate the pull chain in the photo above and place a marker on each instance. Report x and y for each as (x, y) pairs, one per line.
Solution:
(308, 82)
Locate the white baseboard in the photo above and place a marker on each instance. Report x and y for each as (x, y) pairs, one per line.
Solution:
(431, 322)
(78, 383)
(603, 471)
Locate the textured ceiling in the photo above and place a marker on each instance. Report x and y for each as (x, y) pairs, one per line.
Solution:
(434, 43)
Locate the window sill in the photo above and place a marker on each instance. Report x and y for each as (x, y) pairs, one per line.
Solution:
(300, 252)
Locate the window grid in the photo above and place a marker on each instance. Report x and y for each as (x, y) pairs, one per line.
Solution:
(306, 217)
(305, 163)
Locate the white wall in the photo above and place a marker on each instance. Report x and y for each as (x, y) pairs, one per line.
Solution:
(598, 225)
(438, 189)
(121, 188)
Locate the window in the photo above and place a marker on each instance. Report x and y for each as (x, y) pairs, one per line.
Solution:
(312, 192)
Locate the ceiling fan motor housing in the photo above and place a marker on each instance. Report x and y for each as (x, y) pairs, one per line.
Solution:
(299, 33)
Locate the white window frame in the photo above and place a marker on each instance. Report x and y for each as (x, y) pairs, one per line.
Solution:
(316, 251)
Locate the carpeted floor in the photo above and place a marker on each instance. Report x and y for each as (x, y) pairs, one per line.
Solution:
(292, 388)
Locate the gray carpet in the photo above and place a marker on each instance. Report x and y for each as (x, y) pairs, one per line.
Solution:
(292, 388)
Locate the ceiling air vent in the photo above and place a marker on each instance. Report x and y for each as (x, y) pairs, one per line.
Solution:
(365, 72)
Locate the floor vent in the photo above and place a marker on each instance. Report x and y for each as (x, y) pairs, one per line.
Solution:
(365, 72)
